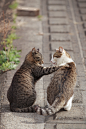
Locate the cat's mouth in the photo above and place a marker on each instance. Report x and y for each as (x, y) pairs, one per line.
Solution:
(54, 63)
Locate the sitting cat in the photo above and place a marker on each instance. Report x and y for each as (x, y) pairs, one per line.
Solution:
(60, 91)
(21, 94)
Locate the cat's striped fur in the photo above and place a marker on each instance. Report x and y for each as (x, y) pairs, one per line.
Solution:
(60, 91)
(21, 94)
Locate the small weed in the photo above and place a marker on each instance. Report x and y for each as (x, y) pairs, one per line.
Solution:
(14, 5)
(39, 17)
(9, 59)
(9, 56)
(14, 18)
(14, 27)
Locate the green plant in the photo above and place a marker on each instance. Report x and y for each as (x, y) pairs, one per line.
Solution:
(9, 56)
(9, 59)
(14, 5)
(14, 18)
(39, 17)
(14, 27)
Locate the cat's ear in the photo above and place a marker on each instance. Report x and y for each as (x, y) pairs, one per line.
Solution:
(57, 49)
(38, 50)
(61, 49)
(33, 50)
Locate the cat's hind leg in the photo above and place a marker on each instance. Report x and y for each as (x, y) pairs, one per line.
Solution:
(69, 104)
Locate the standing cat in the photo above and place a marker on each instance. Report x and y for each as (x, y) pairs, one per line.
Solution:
(22, 94)
(60, 91)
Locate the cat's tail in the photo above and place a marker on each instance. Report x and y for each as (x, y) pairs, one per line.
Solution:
(44, 111)
(56, 106)
(27, 109)
(35, 108)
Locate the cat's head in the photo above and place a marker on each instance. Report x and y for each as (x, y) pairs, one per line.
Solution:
(60, 56)
(34, 57)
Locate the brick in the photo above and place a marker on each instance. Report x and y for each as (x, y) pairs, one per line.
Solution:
(82, 5)
(85, 25)
(81, 0)
(57, 14)
(65, 45)
(59, 2)
(85, 61)
(64, 126)
(56, 8)
(27, 11)
(84, 17)
(59, 37)
(83, 11)
(76, 114)
(59, 28)
(58, 21)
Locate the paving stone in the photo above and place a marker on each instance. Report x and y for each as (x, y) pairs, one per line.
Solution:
(56, 8)
(65, 45)
(58, 21)
(83, 11)
(59, 28)
(65, 126)
(24, 11)
(59, 37)
(76, 114)
(77, 96)
(81, 0)
(85, 25)
(85, 61)
(82, 5)
(46, 57)
(57, 14)
(59, 2)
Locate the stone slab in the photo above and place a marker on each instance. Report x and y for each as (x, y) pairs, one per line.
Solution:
(56, 8)
(59, 37)
(65, 45)
(83, 11)
(81, 0)
(27, 11)
(59, 29)
(59, 2)
(78, 96)
(76, 114)
(65, 126)
(82, 4)
(58, 21)
(84, 17)
(57, 14)
(84, 24)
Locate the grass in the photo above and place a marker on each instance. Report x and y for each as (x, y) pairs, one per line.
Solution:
(39, 17)
(9, 55)
(14, 5)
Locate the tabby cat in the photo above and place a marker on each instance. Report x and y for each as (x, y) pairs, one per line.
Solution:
(60, 91)
(21, 94)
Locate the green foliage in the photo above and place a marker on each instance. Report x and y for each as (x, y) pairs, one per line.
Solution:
(9, 59)
(39, 17)
(9, 56)
(10, 39)
(14, 27)
(14, 18)
(14, 5)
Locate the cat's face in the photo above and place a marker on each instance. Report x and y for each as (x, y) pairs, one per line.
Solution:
(60, 56)
(34, 57)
